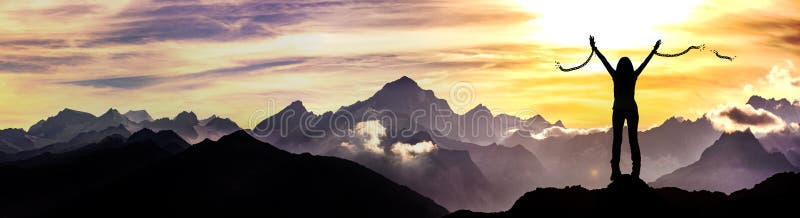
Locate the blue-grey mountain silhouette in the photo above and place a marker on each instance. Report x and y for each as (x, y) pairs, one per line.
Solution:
(788, 111)
(138, 116)
(14, 140)
(735, 161)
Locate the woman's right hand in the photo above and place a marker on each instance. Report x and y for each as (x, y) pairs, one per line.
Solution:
(658, 44)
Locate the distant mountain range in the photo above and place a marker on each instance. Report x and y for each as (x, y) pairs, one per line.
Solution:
(477, 160)
(68, 124)
(454, 175)
(788, 140)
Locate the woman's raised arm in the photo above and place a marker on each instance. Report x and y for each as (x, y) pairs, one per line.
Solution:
(602, 58)
(647, 60)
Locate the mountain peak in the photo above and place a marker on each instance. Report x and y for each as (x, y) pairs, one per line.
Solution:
(537, 118)
(296, 106)
(297, 103)
(738, 134)
(242, 141)
(187, 116)
(138, 115)
(404, 80)
(142, 134)
(239, 135)
(222, 124)
(480, 108)
(673, 121)
(404, 83)
(111, 112)
(559, 124)
(71, 112)
(737, 144)
(760, 102)
(755, 99)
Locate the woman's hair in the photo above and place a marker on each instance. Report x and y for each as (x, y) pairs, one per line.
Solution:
(624, 66)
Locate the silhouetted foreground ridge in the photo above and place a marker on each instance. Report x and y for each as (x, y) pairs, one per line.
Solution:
(631, 196)
(237, 176)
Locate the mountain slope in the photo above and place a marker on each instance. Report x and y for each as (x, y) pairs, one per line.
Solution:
(735, 161)
(448, 175)
(51, 182)
(240, 176)
(583, 158)
(63, 126)
(77, 142)
(183, 124)
(14, 140)
(236, 176)
(511, 170)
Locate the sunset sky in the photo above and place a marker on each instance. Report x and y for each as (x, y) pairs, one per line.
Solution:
(234, 58)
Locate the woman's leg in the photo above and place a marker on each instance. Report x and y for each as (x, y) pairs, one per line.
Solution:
(633, 139)
(617, 120)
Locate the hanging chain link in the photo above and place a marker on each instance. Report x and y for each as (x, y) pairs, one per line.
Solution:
(701, 47)
(558, 64)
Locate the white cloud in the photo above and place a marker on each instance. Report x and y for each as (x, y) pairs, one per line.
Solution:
(781, 75)
(731, 117)
(780, 82)
(557, 131)
(408, 151)
(366, 136)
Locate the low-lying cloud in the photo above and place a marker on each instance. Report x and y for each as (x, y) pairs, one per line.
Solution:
(409, 152)
(731, 118)
(367, 136)
(557, 131)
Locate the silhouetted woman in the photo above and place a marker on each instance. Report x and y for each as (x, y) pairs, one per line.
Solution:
(624, 107)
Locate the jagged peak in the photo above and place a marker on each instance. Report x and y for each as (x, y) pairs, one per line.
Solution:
(479, 108)
(559, 124)
(673, 120)
(537, 118)
(746, 133)
(184, 115)
(111, 112)
(404, 83)
(141, 134)
(755, 98)
(404, 80)
(67, 111)
(296, 106)
(136, 111)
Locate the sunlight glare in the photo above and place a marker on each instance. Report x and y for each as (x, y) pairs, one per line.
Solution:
(616, 24)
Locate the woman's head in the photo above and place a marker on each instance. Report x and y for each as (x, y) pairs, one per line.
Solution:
(624, 65)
